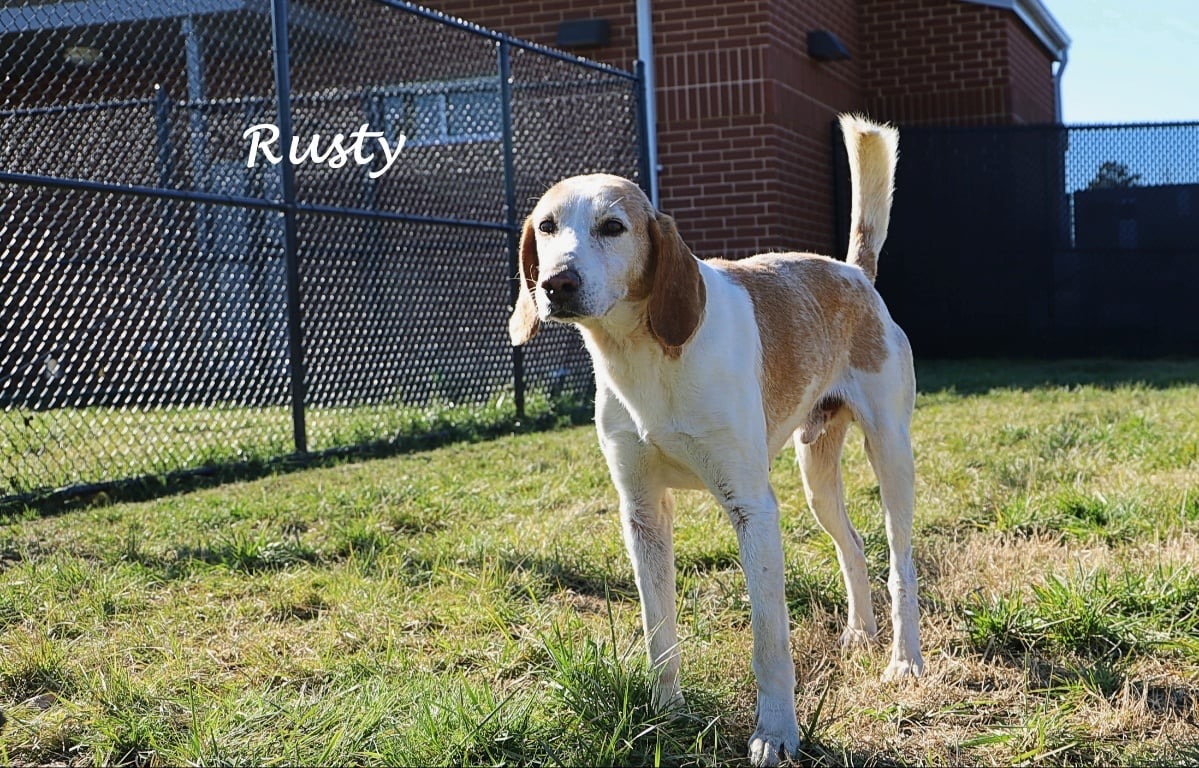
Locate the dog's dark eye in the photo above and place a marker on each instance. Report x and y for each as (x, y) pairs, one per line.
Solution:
(611, 228)
(548, 226)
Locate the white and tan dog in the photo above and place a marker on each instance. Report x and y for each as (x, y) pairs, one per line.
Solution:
(705, 369)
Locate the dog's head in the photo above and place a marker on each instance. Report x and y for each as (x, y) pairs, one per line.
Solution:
(594, 243)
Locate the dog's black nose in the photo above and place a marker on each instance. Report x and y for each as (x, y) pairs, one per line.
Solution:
(560, 288)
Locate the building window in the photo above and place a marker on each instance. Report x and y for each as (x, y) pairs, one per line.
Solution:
(448, 112)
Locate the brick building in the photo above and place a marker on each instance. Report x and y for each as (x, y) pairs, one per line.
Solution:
(745, 96)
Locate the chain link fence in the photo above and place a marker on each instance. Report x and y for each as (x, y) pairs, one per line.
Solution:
(182, 287)
(1044, 240)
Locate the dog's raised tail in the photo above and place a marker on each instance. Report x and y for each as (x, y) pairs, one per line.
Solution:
(873, 151)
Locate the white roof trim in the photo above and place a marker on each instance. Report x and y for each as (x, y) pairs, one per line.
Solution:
(64, 15)
(69, 14)
(1039, 21)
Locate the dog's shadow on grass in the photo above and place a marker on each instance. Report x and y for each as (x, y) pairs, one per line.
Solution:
(605, 695)
(1108, 680)
(717, 737)
(558, 574)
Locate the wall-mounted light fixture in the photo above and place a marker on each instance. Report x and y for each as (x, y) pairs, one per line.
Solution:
(584, 33)
(825, 46)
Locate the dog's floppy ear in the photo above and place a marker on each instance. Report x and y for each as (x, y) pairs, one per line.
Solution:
(677, 294)
(524, 322)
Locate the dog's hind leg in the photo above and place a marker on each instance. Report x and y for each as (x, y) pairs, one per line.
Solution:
(889, 448)
(820, 464)
(891, 401)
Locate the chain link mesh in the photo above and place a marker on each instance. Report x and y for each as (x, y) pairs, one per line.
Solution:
(144, 310)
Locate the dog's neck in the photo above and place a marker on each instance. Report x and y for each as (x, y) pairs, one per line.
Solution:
(623, 332)
(629, 361)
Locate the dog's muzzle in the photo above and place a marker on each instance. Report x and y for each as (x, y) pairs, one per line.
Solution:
(562, 290)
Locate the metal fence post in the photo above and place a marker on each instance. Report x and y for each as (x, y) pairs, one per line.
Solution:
(295, 340)
(518, 356)
(644, 170)
(167, 223)
(162, 136)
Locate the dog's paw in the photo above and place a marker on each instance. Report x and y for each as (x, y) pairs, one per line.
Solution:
(770, 746)
(898, 669)
(852, 637)
(668, 700)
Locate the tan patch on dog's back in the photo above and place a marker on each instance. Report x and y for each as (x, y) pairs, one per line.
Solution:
(814, 318)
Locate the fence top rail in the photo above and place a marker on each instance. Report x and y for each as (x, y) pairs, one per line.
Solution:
(64, 109)
(500, 37)
(1129, 126)
(1030, 127)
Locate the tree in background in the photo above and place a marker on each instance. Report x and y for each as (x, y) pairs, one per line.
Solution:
(1113, 175)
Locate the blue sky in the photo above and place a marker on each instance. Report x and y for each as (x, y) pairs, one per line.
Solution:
(1130, 60)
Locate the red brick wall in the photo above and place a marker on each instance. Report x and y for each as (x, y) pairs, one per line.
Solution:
(713, 137)
(1034, 98)
(950, 62)
(935, 61)
(807, 96)
(744, 121)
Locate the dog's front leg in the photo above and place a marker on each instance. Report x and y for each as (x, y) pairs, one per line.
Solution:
(755, 517)
(646, 518)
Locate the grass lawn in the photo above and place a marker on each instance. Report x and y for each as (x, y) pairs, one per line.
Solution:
(473, 603)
